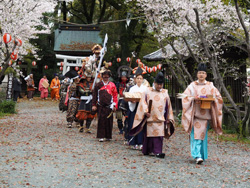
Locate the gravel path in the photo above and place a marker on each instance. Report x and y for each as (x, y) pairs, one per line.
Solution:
(37, 150)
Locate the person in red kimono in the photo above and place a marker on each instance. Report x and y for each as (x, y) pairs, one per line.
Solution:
(105, 102)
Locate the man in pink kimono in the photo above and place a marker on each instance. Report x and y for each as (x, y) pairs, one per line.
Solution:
(157, 123)
(195, 119)
(43, 87)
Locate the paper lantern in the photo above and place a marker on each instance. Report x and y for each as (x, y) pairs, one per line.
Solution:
(33, 63)
(154, 68)
(6, 38)
(10, 63)
(150, 69)
(61, 64)
(159, 66)
(76, 68)
(128, 59)
(18, 42)
(13, 56)
(61, 68)
(46, 67)
(138, 61)
(146, 68)
(110, 64)
(118, 60)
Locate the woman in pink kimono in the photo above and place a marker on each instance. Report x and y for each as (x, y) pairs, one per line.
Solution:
(195, 119)
(43, 87)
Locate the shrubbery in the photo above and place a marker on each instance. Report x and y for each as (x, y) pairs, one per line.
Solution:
(8, 107)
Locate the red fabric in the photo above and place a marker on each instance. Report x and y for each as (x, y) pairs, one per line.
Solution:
(111, 89)
(67, 97)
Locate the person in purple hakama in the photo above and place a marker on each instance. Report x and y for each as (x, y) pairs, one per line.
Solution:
(157, 122)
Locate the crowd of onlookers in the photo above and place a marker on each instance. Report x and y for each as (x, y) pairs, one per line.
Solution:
(44, 87)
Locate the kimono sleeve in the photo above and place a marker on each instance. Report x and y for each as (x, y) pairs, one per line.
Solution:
(216, 112)
(114, 95)
(187, 109)
(52, 84)
(141, 110)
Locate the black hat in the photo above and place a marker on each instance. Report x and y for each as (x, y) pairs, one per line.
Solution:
(159, 79)
(202, 67)
(71, 74)
(139, 71)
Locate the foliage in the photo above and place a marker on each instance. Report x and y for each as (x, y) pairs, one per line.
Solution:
(203, 31)
(22, 20)
(8, 106)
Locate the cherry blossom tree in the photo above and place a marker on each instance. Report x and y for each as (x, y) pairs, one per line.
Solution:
(22, 19)
(201, 30)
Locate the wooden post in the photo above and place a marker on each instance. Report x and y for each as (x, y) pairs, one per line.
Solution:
(9, 87)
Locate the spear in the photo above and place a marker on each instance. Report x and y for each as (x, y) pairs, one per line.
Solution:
(102, 53)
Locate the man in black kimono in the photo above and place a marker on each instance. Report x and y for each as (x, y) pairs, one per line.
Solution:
(105, 102)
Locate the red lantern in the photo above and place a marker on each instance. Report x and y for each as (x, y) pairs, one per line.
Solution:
(110, 64)
(0, 67)
(146, 68)
(154, 68)
(33, 63)
(138, 61)
(10, 63)
(18, 42)
(159, 66)
(128, 59)
(19, 62)
(118, 60)
(6, 38)
(13, 56)
(61, 64)
(46, 67)
(76, 68)
(61, 68)
(150, 69)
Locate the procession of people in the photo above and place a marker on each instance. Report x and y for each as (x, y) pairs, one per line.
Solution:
(144, 114)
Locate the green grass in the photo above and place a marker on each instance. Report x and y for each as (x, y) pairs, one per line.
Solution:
(4, 114)
(233, 138)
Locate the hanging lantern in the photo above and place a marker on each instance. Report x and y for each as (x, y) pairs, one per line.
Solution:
(154, 68)
(61, 64)
(13, 56)
(6, 38)
(19, 62)
(46, 67)
(128, 59)
(18, 42)
(159, 66)
(118, 60)
(138, 61)
(110, 64)
(76, 68)
(150, 69)
(146, 68)
(33, 63)
(61, 68)
(10, 63)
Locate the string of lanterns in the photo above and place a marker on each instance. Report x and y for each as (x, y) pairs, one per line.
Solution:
(138, 61)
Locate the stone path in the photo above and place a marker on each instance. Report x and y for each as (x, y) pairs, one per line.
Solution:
(37, 150)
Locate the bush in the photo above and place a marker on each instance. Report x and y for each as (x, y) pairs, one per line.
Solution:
(8, 107)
